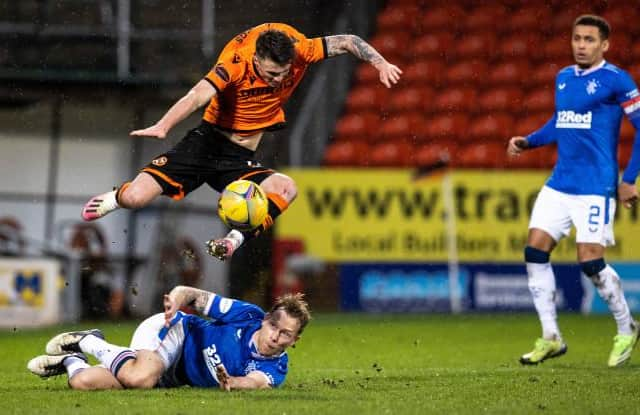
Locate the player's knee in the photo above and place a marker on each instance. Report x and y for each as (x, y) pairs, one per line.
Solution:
(535, 255)
(282, 185)
(137, 380)
(593, 267)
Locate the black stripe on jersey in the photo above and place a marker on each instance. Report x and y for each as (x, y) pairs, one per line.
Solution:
(212, 84)
(324, 48)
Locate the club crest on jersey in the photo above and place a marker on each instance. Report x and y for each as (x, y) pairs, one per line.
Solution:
(592, 86)
(571, 119)
(160, 161)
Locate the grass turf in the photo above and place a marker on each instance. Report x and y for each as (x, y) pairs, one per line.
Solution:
(370, 364)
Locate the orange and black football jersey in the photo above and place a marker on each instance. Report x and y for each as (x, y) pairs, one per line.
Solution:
(244, 103)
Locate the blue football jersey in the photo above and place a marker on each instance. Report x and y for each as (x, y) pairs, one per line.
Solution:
(589, 106)
(226, 339)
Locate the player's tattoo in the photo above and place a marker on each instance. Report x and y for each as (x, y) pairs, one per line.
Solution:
(340, 44)
(201, 300)
(192, 297)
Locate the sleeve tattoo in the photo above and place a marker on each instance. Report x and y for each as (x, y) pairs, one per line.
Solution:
(340, 44)
(192, 297)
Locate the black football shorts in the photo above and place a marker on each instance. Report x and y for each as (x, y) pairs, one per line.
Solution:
(204, 155)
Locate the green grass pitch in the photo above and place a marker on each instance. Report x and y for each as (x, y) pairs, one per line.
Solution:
(370, 364)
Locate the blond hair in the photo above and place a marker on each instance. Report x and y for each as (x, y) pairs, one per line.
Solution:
(295, 306)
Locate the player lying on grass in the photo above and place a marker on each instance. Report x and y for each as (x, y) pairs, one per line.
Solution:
(238, 346)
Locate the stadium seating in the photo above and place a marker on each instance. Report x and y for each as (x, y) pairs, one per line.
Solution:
(347, 153)
(434, 154)
(391, 154)
(474, 74)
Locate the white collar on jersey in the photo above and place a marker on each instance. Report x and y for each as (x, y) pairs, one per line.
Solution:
(580, 72)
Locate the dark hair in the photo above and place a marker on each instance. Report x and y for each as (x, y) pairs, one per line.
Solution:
(597, 21)
(275, 45)
(295, 306)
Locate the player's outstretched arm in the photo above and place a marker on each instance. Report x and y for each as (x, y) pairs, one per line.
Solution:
(253, 380)
(182, 296)
(199, 95)
(340, 44)
(517, 145)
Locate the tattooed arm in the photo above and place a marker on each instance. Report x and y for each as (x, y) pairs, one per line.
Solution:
(341, 44)
(182, 296)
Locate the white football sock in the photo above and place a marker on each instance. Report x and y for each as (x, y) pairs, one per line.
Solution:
(111, 356)
(542, 285)
(237, 238)
(74, 365)
(609, 288)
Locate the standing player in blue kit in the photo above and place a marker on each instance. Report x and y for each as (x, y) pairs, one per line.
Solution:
(590, 100)
(238, 346)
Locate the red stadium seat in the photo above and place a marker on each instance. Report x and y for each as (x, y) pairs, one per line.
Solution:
(529, 159)
(366, 74)
(635, 53)
(511, 72)
(494, 126)
(405, 126)
(409, 99)
(527, 19)
(347, 153)
(481, 155)
(619, 15)
(358, 125)
(627, 131)
(484, 17)
(476, 45)
(467, 73)
(433, 154)
(620, 49)
(432, 45)
(424, 72)
(455, 100)
(544, 74)
(367, 98)
(507, 99)
(519, 46)
(562, 20)
(392, 45)
(634, 71)
(549, 156)
(556, 48)
(443, 17)
(527, 125)
(539, 100)
(447, 127)
(624, 154)
(391, 154)
(397, 17)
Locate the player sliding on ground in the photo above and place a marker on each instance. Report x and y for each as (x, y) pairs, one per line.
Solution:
(254, 76)
(591, 98)
(237, 346)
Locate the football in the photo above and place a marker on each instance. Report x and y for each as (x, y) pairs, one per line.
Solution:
(243, 205)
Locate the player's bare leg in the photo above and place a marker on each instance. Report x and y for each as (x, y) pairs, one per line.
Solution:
(281, 191)
(94, 378)
(134, 195)
(143, 372)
